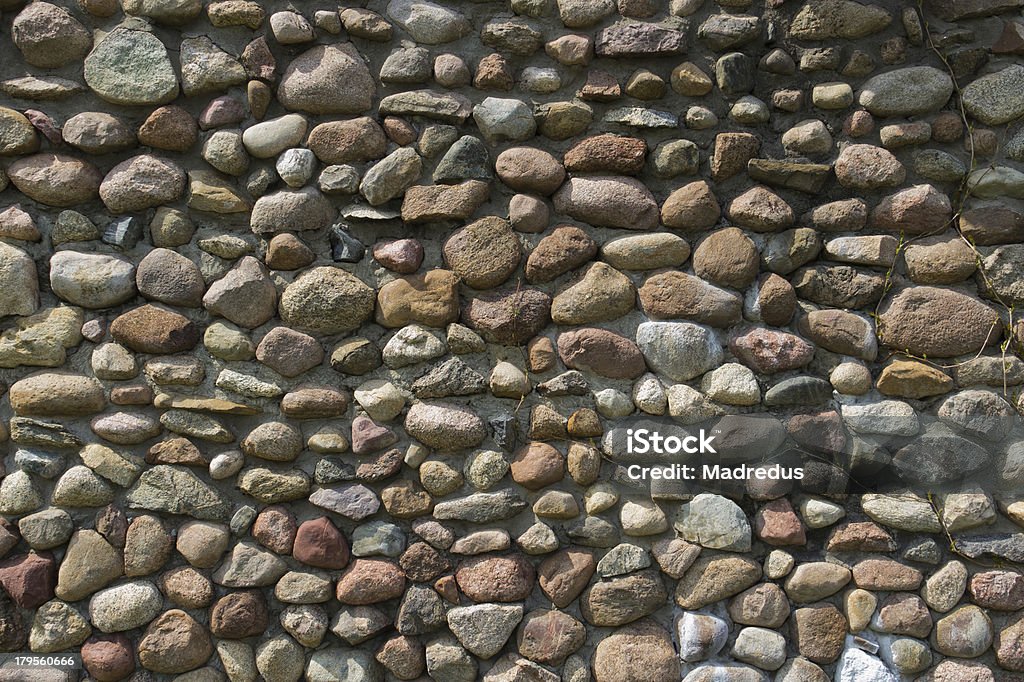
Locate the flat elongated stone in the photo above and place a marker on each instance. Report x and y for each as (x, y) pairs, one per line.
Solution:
(176, 490)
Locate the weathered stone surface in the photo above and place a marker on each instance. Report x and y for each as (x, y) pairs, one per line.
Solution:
(936, 322)
(327, 79)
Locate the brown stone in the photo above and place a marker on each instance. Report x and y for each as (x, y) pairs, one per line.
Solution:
(778, 525)
(691, 207)
(108, 658)
(509, 317)
(732, 152)
(565, 574)
(839, 286)
(154, 329)
(549, 636)
(602, 352)
(677, 295)
(917, 210)
(726, 257)
(187, 587)
(176, 451)
(238, 615)
(29, 579)
(319, 543)
(912, 379)
(860, 536)
(998, 590)
(624, 599)
(537, 465)
(937, 323)
(288, 252)
(493, 73)
(436, 203)
(357, 139)
(776, 300)
(541, 354)
(768, 351)
(527, 169)
(422, 563)
(565, 249)
(275, 528)
(169, 127)
(607, 153)
(506, 578)
(764, 605)
(840, 332)
(714, 578)
(820, 631)
(174, 643)
(761, 210)
(641, 652)
(484, 253)
(430, 299)
(368, 581)
(988, 225)
(886, 574)
(904, 614)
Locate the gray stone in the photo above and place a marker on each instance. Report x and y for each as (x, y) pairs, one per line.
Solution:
(715, 522)
(908, 91)
(678, 350)
(131, 67)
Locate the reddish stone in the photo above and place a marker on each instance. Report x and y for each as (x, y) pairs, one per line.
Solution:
(382, 467)
(601, 86)
(921, 209)
(399, 131)
(239, 615)
(176, 451)
(767, 351)
(820, 432)
(905, 614)
(319, 543)
(563, 576)
(493, 73)
(537, 465)
(108, 658)
(947, 127)
(778, 525)
(860, 536)
(29, 578)
(886, 574)
(275, 529)
(510, 317)
(601, 352)
(399, 255)
(549, 636)
(368, 581)
(368, 436)
(422, 563)
(496, 579)
(998, 590)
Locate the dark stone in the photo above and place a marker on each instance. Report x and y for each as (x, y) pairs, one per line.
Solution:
(798, 391)
(332, 470)
(450, 378)
(123, 233)
(800, 176)
(939, 456)
(999, 546)
(735, 73)
(467, 159)
(505, 431)
(344, 247)
(637, 39)
(26, 431)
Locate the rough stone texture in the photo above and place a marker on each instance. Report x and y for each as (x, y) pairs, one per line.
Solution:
(304, 306)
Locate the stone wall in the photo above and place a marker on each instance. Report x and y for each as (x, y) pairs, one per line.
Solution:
(324, 330)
